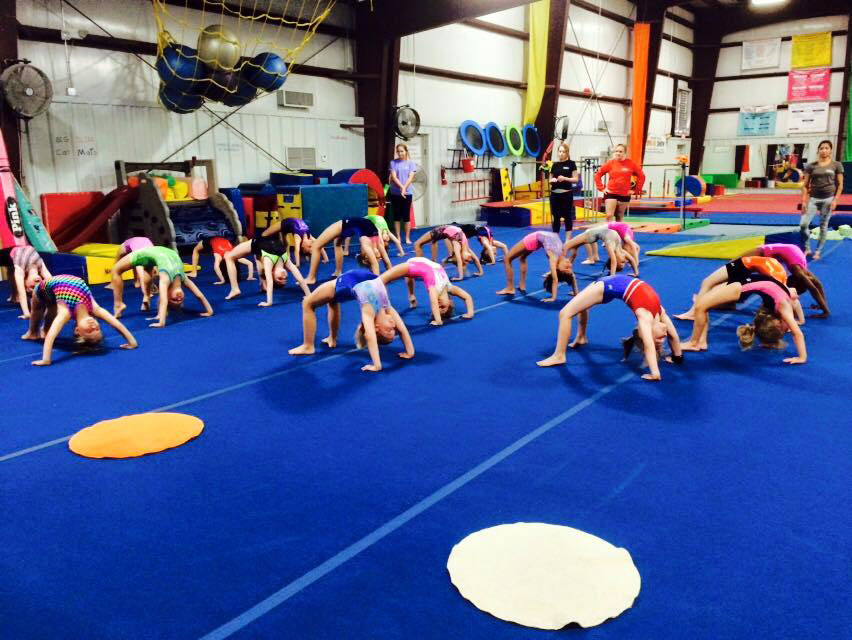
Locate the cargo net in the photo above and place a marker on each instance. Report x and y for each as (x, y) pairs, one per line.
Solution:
(243, 48)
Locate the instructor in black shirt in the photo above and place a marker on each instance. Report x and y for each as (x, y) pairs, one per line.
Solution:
(563, 179)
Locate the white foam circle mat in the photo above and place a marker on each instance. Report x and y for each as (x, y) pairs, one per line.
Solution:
(543, 575)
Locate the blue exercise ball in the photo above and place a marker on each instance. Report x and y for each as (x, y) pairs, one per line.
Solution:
(245, 93)
(266, 71)
(179, 68)
(179, 102)
(221, 84)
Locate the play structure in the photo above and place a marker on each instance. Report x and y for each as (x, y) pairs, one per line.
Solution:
(173, 211)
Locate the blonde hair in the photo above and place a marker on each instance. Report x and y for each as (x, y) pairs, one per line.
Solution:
(403, 145)
(567, 148)
(768, 329)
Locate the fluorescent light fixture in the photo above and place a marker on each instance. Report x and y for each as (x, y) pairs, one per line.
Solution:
(767, 3)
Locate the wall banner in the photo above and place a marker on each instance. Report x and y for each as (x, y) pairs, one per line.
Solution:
(757, 121)
(811, 85)
(761, 54)
(812, 50)
(807, 117)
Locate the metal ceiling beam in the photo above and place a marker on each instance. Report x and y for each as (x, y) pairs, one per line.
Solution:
(703, 79)
(844, 97)
(8, 118)
(557, 23)
(249, 10)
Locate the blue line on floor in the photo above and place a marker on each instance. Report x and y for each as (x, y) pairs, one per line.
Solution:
(229, 388)
(268, 604)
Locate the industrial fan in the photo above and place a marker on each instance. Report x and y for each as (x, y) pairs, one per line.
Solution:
(406, 122)
(27, 89)
(419, 184)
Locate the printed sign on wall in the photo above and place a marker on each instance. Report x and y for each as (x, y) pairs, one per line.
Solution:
(812, 50)
(761, 54)
(757, 121)
(807, 117)
(811, 85)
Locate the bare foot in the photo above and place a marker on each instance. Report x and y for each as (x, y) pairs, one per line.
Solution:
(118, 309)
(552, 361)
(686, 315)
(330, 342)
(302, 350)
(817, 256)
(587, 261)
(508, 291)
(233, 294)
(310, 280)
(219, 282)
(579, 342)
(249, 278)
(693, 346)
(264, 304)
(146, 305)
(412, 302)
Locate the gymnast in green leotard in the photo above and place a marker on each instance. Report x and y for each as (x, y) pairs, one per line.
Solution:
(172, 280)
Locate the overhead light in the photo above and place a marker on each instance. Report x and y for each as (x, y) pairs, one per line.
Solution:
(767, 3)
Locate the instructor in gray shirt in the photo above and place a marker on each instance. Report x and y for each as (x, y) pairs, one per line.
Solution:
(822, 187)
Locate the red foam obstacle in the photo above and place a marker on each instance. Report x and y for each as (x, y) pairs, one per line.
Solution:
(375, 188)
(83, 216)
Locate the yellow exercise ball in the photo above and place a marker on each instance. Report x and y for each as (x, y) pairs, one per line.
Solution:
(218, 47)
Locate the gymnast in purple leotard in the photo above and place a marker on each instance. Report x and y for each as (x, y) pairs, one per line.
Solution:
(560, 266)
(380, 322)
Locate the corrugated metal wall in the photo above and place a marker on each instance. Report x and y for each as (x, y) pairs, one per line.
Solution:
(75, 145)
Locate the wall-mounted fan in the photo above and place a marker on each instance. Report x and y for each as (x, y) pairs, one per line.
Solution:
(560, 128)
(26, 89)
(419, 184)
(406, 122)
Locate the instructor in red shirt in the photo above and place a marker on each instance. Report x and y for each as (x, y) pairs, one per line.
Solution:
(618, 188)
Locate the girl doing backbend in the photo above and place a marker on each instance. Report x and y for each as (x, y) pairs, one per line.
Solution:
(64, 298)
(437, 285)
(379, 320)
(560, 266)
(653, 326)
(771, 321)
(617, 256)
(459, 247)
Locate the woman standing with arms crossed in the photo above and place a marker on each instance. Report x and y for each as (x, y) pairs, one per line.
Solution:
(821, 188)
(618, 189)
(402, 172)
(563, 180)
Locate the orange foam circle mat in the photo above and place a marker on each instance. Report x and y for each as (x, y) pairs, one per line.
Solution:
(136, 435)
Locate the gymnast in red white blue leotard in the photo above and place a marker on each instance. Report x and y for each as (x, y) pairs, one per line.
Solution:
(653, 326)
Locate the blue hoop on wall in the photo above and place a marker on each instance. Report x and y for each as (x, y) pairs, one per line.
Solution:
(532, 141)
(495, 140)
(472, 137)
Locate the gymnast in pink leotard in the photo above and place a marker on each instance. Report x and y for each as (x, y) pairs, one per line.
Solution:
(142, 277)
(801, 278)
(459, 247)
(560, 266)
(437, 286)
(771, 322)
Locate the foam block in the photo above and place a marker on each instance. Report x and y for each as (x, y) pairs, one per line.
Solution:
(507, 217)
(657, 227)
(716, 249)
(98, 249)
(324, 204)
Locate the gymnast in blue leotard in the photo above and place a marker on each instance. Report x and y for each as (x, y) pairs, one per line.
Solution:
(380, 322)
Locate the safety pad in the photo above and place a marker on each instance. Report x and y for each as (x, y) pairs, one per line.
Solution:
(544, 576)
(715, 250)
(135, 435)
(656, 227)
(98, 249)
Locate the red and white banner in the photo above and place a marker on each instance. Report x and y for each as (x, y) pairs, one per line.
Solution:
(809, 85)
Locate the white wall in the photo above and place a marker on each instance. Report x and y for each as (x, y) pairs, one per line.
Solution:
(116, 111)
(721, 138)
